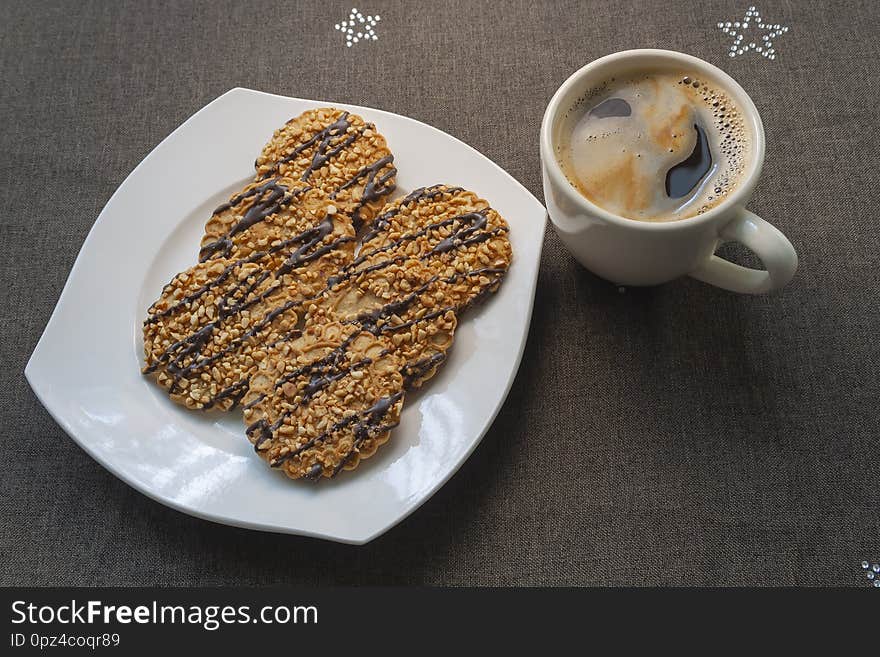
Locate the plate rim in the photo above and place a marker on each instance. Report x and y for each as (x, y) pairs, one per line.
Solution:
(40, 386)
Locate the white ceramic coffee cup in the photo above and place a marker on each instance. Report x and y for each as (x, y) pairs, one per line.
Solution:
(629, 252)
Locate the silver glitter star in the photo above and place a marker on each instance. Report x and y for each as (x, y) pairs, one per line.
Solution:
(872, 572)
(746, 35)
(358, 27)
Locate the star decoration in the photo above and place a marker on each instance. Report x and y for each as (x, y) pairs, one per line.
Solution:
(739, 29)
(358, 27)
(872, 570)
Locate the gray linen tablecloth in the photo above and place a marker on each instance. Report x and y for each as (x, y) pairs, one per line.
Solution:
(675, 435)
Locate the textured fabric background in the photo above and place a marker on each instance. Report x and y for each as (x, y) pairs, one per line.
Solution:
(676, 435)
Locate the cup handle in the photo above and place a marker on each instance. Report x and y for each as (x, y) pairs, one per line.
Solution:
(770, 245)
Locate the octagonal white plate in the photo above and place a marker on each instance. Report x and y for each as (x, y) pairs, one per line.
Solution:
(86, 367)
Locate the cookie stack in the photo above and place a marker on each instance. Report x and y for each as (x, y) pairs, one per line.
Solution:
(315, 307)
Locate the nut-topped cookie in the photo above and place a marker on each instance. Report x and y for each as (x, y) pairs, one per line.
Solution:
(456, 234)
(298, 233)
(206, 332)
(265, 212)
(337, 152)
(398, 298)
(323, 400)
(213, 323)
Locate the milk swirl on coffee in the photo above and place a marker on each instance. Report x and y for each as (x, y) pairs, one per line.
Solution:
(656, 146)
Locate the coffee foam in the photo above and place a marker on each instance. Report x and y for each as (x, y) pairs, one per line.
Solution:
(620, 162)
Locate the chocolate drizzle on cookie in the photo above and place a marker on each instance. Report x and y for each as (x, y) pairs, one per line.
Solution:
(268, 198)
(331, 141)
(414, 372)
(175, 356)
(380, 224)
(365, 424)
(236, 290)
(370, 426)
(297, 387)
(374, 188)
(453, 233)
(322, 137)
(300, 385)
(302, 255)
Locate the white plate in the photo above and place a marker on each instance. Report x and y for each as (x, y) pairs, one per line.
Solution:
(85, 368)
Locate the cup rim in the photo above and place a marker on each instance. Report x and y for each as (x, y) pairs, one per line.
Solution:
(738, 197)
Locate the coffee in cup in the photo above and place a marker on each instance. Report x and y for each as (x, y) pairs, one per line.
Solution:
(661, 145)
